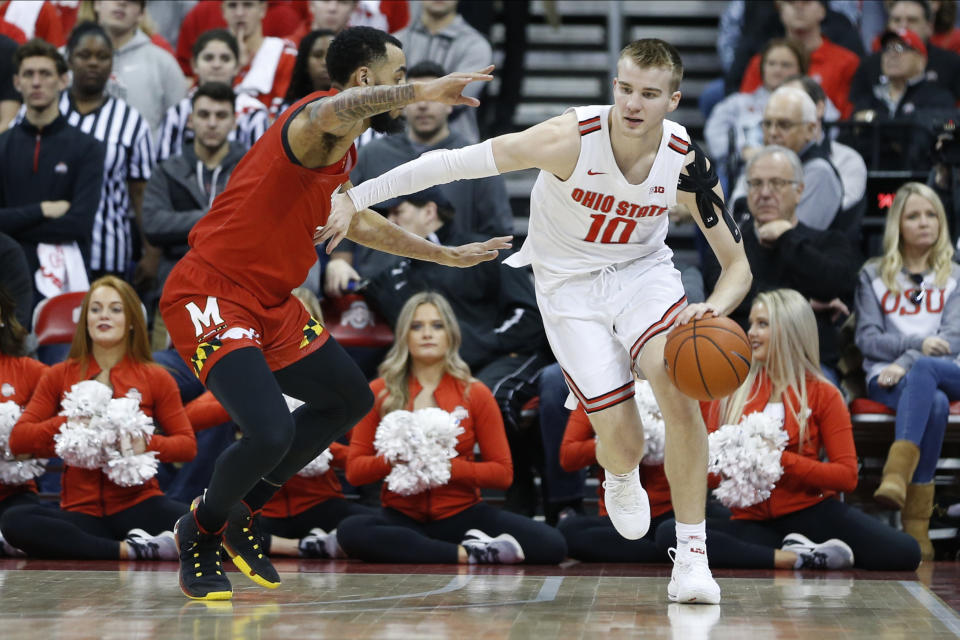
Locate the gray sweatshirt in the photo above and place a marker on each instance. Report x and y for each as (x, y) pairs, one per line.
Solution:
(891, 328)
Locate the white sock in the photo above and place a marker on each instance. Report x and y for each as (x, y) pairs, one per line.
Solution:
(620, 475)
(687, 531)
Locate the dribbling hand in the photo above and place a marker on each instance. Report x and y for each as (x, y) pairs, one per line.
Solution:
(697, 311)
(467, 255)
(338, 222)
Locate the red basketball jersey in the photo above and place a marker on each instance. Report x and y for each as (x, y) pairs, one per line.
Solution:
(259, 232)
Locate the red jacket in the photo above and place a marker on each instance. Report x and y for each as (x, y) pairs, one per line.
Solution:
(299, 493)
(89, 490)
(831, 65)
(18, 379)
(806, 480)
(47, 24)
(483, 425)
(579, 450)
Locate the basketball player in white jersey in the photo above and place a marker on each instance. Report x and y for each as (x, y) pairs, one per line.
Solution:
(605, 281)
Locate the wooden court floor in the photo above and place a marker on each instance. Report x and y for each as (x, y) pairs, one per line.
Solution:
(322, 599)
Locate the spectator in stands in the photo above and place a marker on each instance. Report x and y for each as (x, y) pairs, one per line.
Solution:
(98, 519)
(907, 308)
(848, 162)
(593, 538)
(147, 76)
(266, 62)
(183, 187)
(732, 131)
(9, 98)
(168, 16)
(481, 205)
(18, 380)
(448, 523)
(784, 251)
(50, 177)
(943, 67)
(785, 384)
(16, 279)
(831, 65)
(790, 120)
(34, 19)
(127, 140)
(337, 15)
(310, 73)
(946, 34)
(903, 88)
(442, 36)
(215, 59)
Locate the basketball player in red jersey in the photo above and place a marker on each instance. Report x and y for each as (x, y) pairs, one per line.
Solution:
(228, 308)
(606, 286)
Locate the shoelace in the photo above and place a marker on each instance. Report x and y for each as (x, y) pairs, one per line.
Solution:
(690, 563)
(624, 493)
(144, 549)
(205, 556)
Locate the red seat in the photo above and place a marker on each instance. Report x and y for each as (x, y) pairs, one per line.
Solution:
(55, 319)
(353, 323)
(862, 406)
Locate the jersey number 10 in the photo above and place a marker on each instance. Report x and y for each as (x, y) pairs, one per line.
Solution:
(622, 228)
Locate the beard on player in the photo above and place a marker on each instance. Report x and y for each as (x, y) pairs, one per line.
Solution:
(384, 123)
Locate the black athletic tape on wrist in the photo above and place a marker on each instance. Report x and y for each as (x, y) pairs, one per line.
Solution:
(701, 180)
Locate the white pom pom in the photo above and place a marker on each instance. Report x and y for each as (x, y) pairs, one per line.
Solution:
(85, 399)
(420, 446)
(747, 457)
(9, 414)
(132, 471)
(396, 436)
(21, 471)
(318, 466)
(81, 444)
(653, 425)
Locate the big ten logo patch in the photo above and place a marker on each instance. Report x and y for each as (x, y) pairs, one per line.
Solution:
(311, 331)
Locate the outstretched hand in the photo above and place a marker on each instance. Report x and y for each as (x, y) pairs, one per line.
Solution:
(449, 88)
(467, 255)
(338, 222)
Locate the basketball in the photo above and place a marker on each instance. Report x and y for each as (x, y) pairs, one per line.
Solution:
(708, 358)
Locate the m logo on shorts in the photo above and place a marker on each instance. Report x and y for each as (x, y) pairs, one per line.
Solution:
(311, 331)
(204, 351)
(207, 318)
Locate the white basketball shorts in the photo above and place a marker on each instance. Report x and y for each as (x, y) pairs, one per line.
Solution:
(597, 324)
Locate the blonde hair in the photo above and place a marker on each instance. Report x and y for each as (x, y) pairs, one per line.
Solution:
(137, 343)
(395, 369)
(652, 52)
(793, 353)
(940, 258)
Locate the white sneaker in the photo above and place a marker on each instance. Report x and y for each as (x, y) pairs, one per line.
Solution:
(334, 550)
(627, 504)
(833, 554)
(162, 546)
(691, 581)
(482, 549)
(314, 544)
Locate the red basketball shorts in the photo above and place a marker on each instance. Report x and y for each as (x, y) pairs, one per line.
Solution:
(207, 317)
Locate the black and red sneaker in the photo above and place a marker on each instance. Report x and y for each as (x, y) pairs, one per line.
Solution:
(201, 575)
(244, 543)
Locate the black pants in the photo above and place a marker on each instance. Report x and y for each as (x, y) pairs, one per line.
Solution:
(594, 539)
(18, 500)
(326, 515)
(750, 544)
(392, 537)
(277, 444)
(53, 533)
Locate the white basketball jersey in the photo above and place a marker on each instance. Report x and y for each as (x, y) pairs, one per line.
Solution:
(596, 218)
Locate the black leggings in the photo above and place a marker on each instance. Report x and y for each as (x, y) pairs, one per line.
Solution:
(18, 500)
(277, 444)
(392, 537)
(750, 544)
(53, 533)
(594, 539)
(326, 515)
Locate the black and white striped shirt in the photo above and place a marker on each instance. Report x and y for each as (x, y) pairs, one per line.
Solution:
(129, 156)
(252, 121)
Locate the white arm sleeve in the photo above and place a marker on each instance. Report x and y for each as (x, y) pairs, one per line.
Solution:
(432, 168)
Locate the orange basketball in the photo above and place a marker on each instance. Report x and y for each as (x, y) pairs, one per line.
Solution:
(708, 358)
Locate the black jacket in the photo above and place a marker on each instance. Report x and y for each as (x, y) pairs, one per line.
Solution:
(59, 162)
(822, 265)
(16, 278)
(495, 304)
(173, 202)
(943, 68)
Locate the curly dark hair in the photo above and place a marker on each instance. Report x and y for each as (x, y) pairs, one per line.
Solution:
(12, 333)
(300, 84)
(87, 28)
(356, 47)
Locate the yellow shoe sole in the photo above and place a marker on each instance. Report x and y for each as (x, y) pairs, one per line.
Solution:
(245, 569)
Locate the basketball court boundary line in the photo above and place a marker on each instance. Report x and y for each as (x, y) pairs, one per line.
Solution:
(947, 616)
